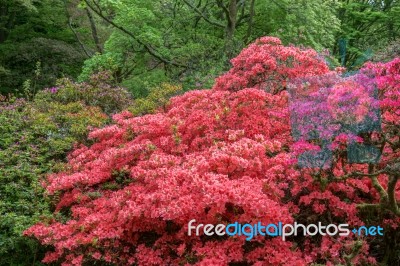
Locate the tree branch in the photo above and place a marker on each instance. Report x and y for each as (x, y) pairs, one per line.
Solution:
(77, 38)
(391, 191)
(147, 47)
(224, 8)
(198, 11)
(355, 174)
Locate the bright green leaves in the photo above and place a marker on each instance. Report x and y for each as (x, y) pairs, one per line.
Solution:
(311, 23)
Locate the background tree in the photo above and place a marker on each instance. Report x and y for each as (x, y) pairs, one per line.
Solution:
(177, 41)
(366, 27)
(55, 35)
(32, 32)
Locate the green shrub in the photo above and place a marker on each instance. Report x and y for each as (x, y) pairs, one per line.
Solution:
(157, 98)
(98, 91)
(35, 137)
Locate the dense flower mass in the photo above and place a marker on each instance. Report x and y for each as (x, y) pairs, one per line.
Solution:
(221, 156)
(267, 64)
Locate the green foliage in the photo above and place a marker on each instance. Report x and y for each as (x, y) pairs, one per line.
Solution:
(366, 26)
(158, 97)
(189, 42)
(98, 91)
(35, 138)
(32, 143)
(31, 32)
(19, 188)
(310, 23)
(145, 43)
(141, 85)
(170, 31)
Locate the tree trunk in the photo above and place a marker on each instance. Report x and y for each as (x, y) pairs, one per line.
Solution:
(231, 16)
(94, 31)
(250, 25)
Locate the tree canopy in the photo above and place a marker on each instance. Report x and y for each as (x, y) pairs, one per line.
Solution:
(189, 42)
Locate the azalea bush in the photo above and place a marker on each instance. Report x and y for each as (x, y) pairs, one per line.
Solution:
(227, 155)
(36, 135)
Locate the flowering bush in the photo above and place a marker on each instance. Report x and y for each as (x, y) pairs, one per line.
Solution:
(221, 156)
(267, 64)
